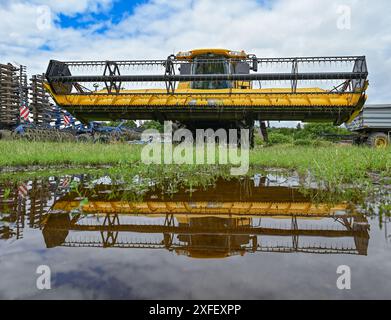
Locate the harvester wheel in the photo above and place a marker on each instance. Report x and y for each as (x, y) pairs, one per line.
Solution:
(378, 140)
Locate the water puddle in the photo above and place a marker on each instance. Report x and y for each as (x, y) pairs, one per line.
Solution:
(253, 238)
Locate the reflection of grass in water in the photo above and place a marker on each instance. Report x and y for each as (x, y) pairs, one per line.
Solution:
(371, 200)
(137, 179)
(168, 178)
(378, 204)
(320, 196)
(20, 176)
(131, 183)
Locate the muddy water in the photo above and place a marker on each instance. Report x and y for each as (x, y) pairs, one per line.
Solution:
(258, 238)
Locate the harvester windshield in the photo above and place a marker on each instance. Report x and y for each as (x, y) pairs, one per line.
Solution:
(211, 65)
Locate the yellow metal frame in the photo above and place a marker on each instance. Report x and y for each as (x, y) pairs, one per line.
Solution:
(311, 97)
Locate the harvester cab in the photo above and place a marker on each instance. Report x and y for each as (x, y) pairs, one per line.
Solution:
(214, 61)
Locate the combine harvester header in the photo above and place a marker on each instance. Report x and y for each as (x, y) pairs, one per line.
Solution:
(210, 88)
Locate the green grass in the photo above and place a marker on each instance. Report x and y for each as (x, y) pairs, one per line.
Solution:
(22, 153)
(332, 164)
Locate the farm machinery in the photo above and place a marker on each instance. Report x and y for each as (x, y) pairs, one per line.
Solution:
(93, 132)
(212, 88)
(26, 112)
(33, 132)
(373, 126)
(25, 108)
(97, 132)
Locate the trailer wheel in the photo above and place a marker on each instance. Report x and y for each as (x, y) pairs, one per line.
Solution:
(378, 140)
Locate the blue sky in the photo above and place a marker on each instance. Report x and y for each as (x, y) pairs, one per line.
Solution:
(117, 11)
(114, 14)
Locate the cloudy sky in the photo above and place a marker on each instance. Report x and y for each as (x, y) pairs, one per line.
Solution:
(33, 32)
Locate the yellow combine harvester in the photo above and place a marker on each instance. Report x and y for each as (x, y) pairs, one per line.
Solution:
(212, 88)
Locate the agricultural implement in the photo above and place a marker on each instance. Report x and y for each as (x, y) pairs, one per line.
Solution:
(97, 132)
(32, 132)
(212, 88)
(13, 94)
(373, 126)
(25, 108)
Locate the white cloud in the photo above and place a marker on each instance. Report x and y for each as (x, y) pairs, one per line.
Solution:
(68, 7)
(161, 27)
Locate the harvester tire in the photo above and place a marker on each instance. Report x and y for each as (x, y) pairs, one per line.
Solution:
(378, 140)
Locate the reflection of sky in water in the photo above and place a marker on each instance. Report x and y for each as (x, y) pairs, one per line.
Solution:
(159, 274)
(162, 274)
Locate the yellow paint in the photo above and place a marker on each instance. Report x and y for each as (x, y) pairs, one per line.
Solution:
(309, 97)
(221, 52)
(228, 209)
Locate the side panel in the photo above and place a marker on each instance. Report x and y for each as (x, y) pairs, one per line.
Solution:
(377, 116)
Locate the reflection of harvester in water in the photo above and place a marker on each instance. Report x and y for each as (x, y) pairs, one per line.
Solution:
(24, 204)
(211, 224)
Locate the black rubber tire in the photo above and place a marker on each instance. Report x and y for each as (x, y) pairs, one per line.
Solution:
(378, 140)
